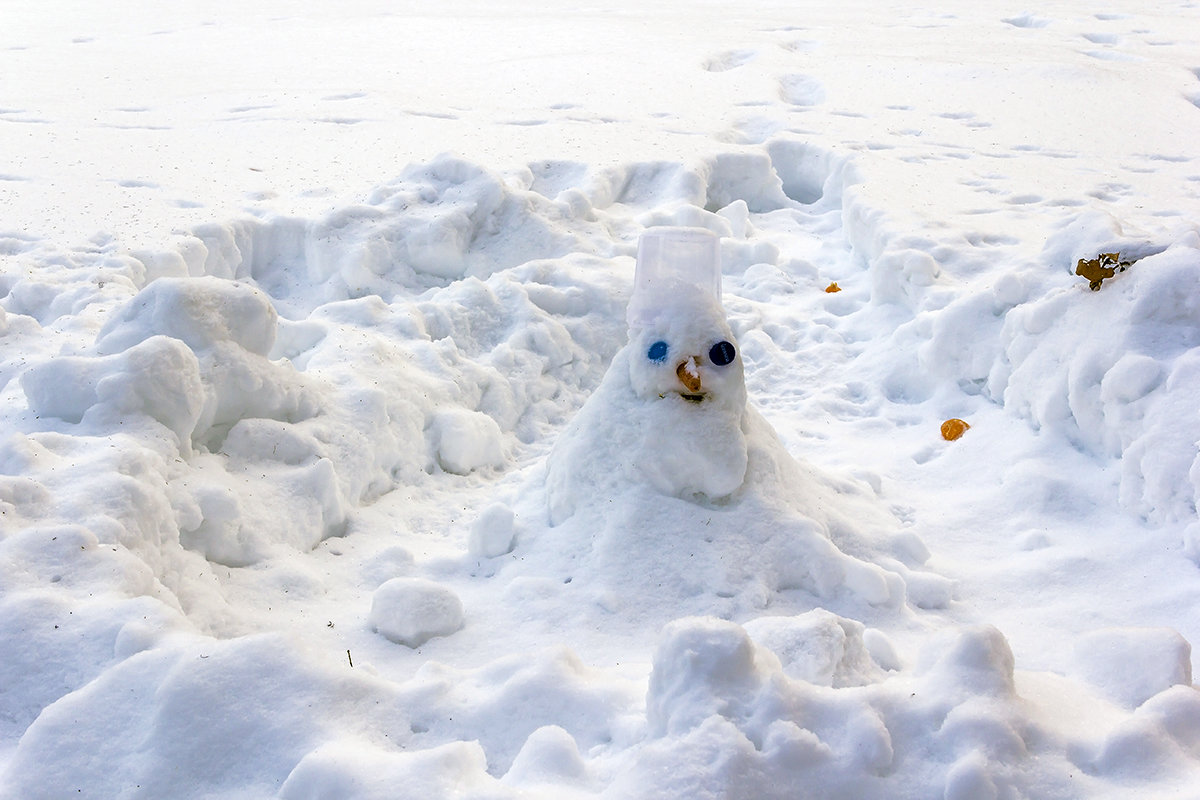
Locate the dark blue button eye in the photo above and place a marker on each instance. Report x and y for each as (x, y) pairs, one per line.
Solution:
(657, 351)
(722, 353)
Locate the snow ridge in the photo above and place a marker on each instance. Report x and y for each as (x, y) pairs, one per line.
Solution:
(240, 439)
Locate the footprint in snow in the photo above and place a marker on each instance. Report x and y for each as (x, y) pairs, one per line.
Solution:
(1027, 21)
(801, 90)
(1193, 97)
(730, 59)
(801, 45)
(1112, 55)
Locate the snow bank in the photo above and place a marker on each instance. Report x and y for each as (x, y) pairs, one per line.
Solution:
(177, 721)
(956, 727)
(1109, 369)
(393, 494)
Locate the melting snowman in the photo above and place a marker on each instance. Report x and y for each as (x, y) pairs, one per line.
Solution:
(672, 408)
(668, 494)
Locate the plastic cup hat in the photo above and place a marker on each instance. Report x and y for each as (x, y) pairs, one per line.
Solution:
(677, 268)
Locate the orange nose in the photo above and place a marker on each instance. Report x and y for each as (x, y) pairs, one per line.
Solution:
(689, 373)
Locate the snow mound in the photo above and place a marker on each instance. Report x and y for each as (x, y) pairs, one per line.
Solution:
(507, 704)
(411, 611)
(715, 690)
(492, 532)
(157, 379)
(435, 223)
(818, 647)
(466, 441)
(230, 329)
(203, 313)
(354, 769)
(449, 219)
(669, 444)
(771, 534)
(1131, 665)
(197, 704)
(550, 757)
(1112, 371)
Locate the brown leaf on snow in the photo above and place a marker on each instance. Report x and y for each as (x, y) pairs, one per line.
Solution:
(1100, 268)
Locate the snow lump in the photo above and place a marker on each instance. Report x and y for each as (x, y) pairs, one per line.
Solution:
(411, 611)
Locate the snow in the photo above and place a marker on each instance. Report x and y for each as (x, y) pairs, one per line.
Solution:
(411, 611)
(339, 456)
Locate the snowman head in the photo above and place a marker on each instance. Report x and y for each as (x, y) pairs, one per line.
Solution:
(681, 345)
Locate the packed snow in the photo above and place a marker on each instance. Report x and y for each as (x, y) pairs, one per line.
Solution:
(488, 401)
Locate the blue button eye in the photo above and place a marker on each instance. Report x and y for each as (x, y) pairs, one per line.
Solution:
(722, 353)
(657, 351)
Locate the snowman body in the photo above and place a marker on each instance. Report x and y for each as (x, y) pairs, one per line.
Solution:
(671, 410)
(669, 485)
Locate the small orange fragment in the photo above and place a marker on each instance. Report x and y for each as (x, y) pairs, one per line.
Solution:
(833, 287)
(689, 373)
(953, 428)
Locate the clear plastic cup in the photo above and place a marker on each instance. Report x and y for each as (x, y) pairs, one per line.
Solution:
(675, 267)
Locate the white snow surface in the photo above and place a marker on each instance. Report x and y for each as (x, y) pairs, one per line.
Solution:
(323, 470)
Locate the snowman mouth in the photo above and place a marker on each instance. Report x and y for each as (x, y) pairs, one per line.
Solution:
(692, 398)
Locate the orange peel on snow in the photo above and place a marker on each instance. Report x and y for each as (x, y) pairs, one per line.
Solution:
(833, 287)
(688, 373)
(953, 428)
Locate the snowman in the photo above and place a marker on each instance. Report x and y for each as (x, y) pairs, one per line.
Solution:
(669, 485)
(671, 411)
